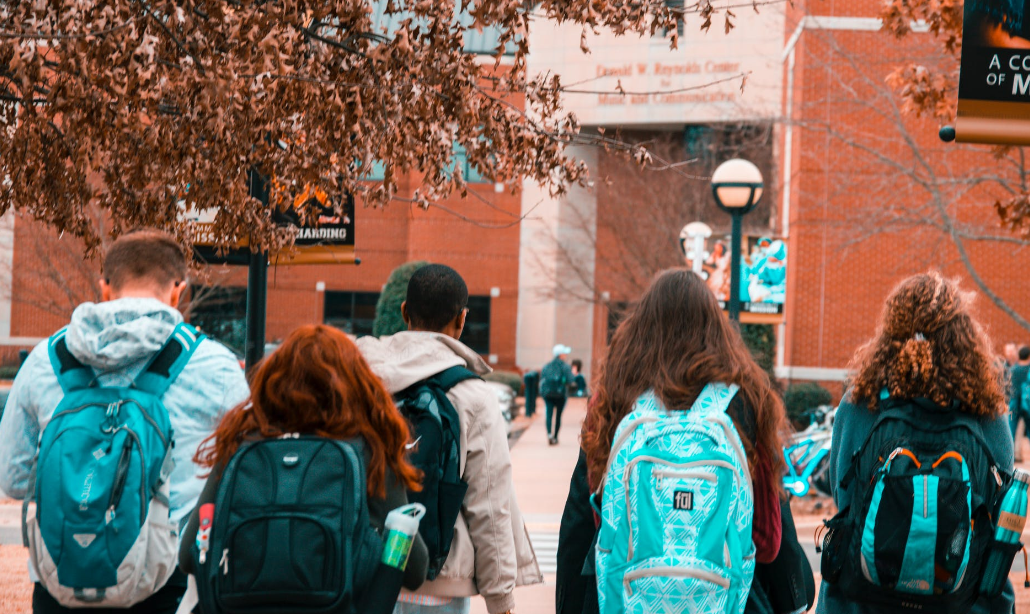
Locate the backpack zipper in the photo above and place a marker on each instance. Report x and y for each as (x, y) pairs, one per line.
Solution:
(120, 477)
(224, 563)
(673, 572)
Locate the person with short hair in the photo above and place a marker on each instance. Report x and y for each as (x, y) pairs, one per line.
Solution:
(144, 276)
(555, 379)
(1017, 409)
(579, 383)
(490, 553)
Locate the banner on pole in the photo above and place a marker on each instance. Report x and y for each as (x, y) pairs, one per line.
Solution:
(994, 82)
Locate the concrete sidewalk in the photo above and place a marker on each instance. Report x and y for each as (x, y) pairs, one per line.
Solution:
(541, 474)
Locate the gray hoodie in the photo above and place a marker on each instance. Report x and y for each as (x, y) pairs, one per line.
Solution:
(117, 339)
(491, 553)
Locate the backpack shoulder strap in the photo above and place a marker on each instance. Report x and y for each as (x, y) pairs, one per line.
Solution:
(715, 397)
(449, 378)
(169, 362)
(71, 373)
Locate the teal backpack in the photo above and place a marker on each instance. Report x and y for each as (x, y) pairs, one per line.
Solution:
(100, 535)
(676, 511)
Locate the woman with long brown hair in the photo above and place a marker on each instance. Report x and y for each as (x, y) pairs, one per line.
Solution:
(317, 383)
(675, 342)
(926, 386)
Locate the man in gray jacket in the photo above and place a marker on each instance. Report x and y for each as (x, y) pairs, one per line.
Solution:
(490, 553)
(144, 276)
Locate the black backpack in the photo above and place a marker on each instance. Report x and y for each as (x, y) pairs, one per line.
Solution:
(436, 433)
(291, 530)
(920, 525)
(554, 382)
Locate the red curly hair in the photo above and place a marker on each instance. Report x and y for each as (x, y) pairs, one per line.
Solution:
(318, 383)
(929, 345)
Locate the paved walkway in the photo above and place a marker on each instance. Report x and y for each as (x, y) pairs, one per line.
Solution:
(541, 474)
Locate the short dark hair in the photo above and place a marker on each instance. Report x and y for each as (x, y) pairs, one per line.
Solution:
(146, 255)
(578, 364)
(436, 295)
(1024, 353)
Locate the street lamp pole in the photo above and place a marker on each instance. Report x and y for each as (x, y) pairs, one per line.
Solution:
(737, 188)
(734, 305)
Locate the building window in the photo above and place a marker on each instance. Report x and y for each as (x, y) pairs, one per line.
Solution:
(220, 313)
(477, 325)
(468, 171)
(352, 312)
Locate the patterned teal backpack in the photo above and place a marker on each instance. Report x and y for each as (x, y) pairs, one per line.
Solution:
(676, 511)
(100, 535)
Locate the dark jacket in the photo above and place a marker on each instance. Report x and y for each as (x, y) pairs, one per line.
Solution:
(378, 508)
(850, 429)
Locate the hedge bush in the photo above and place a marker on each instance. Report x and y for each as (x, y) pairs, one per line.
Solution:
(388, 309)
(802, 397)
(512, 379)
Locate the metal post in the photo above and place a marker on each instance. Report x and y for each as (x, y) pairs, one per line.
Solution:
(257, 303)
(257, 285)
(734, 305)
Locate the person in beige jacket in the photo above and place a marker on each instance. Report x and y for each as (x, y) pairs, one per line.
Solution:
(491, 553)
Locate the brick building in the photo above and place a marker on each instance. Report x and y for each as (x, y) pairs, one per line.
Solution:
(862, 194)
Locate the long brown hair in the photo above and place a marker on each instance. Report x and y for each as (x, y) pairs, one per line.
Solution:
(929, 345)
(675, 341)
(318, 383)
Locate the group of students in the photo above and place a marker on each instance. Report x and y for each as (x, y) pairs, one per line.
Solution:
(676, 504)
(155, 468)
(133, 434)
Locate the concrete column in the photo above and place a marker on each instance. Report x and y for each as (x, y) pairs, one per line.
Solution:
(556, 271)
(6, 273)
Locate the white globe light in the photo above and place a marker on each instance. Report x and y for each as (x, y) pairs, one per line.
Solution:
(737, 184)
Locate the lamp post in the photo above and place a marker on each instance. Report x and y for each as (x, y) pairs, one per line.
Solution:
(737, 187)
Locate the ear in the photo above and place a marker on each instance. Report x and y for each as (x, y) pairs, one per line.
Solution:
(404, 314)
(459, 322)
(106, 293)
(177, 290)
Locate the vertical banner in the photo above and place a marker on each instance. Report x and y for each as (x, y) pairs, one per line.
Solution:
(763, 276)
(994, 82)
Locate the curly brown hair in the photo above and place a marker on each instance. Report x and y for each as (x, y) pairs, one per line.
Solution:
(675, 341)
(929, 345)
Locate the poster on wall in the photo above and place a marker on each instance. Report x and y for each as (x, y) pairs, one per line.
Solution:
(763, 273)
(994, 81)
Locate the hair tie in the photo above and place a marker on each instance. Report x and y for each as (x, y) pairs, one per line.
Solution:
(920, 337)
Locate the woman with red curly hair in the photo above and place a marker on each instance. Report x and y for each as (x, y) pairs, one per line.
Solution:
(929, 369)
(317, 383)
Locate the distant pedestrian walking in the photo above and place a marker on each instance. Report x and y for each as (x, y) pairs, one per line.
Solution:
(555, 378)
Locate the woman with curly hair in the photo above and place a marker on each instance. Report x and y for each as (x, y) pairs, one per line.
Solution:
(931, 367)
(674, 343)
(318, 383)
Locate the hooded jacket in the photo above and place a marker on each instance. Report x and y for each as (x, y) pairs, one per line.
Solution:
(117, 339)
(491, 553)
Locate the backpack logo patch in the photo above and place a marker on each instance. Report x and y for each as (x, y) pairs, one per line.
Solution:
(683, 500)
(99, 453)
(84, 539)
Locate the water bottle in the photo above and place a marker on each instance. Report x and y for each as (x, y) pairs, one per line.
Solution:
(401, 527)
(1011, 520)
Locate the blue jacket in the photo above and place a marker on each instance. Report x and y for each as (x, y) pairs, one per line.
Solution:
(850, 428)
(117, 339)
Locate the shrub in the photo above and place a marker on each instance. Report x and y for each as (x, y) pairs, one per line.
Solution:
(761, 340)
(388, 309)
(512, 379)
(802, 397)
